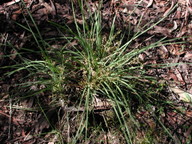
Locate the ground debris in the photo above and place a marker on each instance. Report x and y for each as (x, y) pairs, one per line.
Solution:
(132, 16)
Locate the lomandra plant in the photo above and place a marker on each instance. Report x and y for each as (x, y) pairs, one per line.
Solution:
(107, 68)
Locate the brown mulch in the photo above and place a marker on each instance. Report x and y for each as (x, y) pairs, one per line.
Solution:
(20, 125)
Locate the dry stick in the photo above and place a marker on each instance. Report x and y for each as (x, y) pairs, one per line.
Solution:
(12, 2)
(168, 10)
(68, 129)
(15, 121)
(10, 118)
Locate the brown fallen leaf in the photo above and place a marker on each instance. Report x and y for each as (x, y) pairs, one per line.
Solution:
(169, 9)
(179, 76)
(183, 96)
(171, 75)
(150, 3)
(163, 52)
(16, 14)
(160, 30)
(189, 113)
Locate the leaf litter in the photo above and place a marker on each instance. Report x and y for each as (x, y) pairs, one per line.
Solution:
(25, 124)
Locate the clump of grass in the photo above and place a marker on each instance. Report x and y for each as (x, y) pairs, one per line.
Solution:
(108, 68)
(102, 65)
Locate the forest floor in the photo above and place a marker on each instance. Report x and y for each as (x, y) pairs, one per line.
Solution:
(22, 119)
